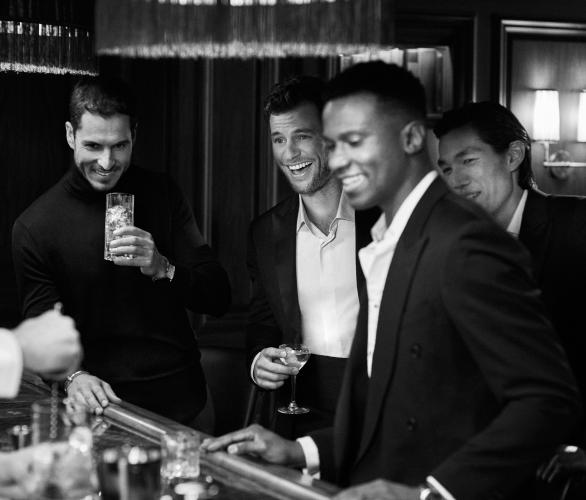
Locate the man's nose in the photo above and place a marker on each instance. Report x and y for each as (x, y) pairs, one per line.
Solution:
(106, 160)
(459, 180)
(337, 159)
(291, 151)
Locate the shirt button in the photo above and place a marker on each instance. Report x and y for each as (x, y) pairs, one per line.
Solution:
(411, 424)
(375, 306)
(416, 351)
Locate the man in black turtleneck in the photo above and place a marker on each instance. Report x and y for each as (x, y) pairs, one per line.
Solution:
(137, 340)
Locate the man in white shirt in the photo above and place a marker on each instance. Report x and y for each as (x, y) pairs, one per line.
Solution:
(455, 386)
(485, 155)
(302, 263)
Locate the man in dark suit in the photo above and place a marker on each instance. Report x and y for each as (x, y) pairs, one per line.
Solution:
(455, 386)
(485, 155)
(303, 264)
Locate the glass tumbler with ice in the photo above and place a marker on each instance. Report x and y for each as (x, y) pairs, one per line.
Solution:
(119, 213)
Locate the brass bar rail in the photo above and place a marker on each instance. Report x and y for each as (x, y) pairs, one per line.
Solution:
(285, 482)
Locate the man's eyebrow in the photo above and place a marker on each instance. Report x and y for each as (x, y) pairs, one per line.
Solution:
(305, 130)
(350, 133)
(468, 150)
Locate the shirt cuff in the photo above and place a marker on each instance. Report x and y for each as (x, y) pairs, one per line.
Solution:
(10, 364)
(311, 454)
(437, 486)
(252, 367)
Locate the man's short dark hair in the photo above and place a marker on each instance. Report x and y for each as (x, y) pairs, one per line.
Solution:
(102, 96)
(496, 126)
(390, 83)
(292, 92)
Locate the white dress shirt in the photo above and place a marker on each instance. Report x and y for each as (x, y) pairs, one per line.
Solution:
(375, 260)
(514, 227)
(326, 283)
(10, 364)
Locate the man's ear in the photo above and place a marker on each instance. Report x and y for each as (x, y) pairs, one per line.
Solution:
(70, 135)
(413, 137)
(515, 155)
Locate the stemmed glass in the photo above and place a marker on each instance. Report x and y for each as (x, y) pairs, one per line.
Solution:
(295, 353)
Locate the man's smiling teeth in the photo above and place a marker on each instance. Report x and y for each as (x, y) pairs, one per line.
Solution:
(299, 166)
(352, 180)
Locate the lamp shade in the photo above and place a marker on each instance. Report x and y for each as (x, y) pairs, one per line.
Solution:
(546, 116)
(240, 28)
(46, 36)
(581, 136)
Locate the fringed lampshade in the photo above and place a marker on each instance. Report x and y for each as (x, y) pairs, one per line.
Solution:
(240, 28)
(46, 36)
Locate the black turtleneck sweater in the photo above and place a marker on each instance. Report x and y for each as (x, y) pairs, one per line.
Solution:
(135, 332)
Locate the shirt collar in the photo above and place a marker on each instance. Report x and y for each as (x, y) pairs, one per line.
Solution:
(393, 232)
(514, 226)
(344, 212)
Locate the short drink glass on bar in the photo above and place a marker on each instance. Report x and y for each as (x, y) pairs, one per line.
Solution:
(119, 213)
(180, 455)
(62, 467)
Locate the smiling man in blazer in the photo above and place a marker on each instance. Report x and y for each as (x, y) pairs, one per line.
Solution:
(303, 263)
(455, 386)
(485, 155)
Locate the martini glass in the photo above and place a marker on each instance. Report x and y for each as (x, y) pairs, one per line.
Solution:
(296, 353)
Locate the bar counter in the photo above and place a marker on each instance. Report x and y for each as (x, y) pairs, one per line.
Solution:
(238, 478)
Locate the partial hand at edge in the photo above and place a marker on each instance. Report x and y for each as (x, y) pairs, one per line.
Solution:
(258, 441)
(92, 392)
(50, 344)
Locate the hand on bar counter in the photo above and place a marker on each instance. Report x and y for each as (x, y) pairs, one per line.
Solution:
(23, 471)
(91, 392)
(50, 344)
(258, 441)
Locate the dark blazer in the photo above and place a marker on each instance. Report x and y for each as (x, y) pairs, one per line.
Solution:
(553, 229)
(468, 383)
(274, 309)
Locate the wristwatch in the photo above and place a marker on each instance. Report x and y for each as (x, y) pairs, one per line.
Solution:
(427, 493)
(169, 272)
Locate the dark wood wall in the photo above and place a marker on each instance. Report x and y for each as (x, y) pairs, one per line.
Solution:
(551, 63)
(485, 15)
(202, 122)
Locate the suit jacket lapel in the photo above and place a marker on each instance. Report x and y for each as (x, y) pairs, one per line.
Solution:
(346, 430)
(397, 286)
(285, 234)
(536, 229)
(364, 221)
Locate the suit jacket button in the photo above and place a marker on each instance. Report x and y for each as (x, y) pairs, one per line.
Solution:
(411, 424)
(416, 350)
